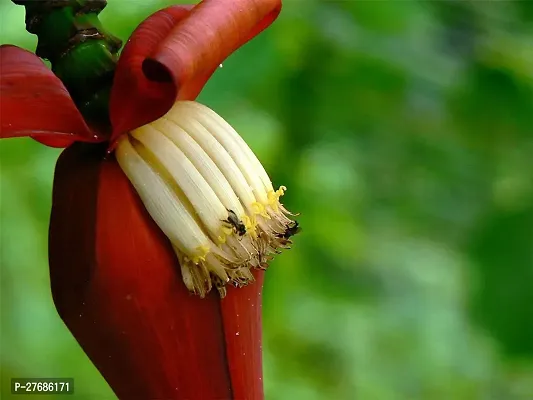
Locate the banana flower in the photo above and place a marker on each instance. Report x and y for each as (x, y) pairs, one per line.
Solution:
(161, 224)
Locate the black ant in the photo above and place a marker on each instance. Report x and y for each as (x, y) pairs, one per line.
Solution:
(290, 231)
(235, 223)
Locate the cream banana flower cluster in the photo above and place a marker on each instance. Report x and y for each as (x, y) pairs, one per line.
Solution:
(209, 194)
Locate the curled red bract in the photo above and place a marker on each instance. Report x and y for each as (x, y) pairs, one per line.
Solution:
(173, 53)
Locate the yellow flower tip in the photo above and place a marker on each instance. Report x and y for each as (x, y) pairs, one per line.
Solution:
(280, 192)
(273, 200)
(274, 196)
(257, 208)
(260, 209)
(247, 221)
(197, 259)
(203, 250)
(226, 231)
(250, 225)
(199, 255)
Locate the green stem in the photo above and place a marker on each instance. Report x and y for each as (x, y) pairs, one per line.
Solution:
(82, 54)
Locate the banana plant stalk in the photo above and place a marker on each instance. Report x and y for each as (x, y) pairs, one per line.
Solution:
(163, 220)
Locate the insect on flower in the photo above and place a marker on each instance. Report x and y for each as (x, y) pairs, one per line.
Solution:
(290, 231)
(235, 223)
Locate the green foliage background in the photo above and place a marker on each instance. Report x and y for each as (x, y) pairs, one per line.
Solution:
(403, 132)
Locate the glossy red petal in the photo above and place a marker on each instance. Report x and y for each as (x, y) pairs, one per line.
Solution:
(241, 316)
(173, 53)
(34, 102)
(117, 286)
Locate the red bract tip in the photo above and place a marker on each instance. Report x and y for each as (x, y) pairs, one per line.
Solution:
(174, 52)
(34, 102)
(117, 285)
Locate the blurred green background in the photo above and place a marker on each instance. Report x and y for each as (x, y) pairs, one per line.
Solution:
(403, 132)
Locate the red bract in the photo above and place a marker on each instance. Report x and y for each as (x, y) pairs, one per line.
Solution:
(115, 279)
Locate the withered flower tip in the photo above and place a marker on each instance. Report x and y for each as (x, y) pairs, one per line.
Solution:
(209, 194)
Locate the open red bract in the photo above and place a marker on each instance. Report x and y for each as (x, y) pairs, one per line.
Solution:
(34, 102)
(116, 284)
